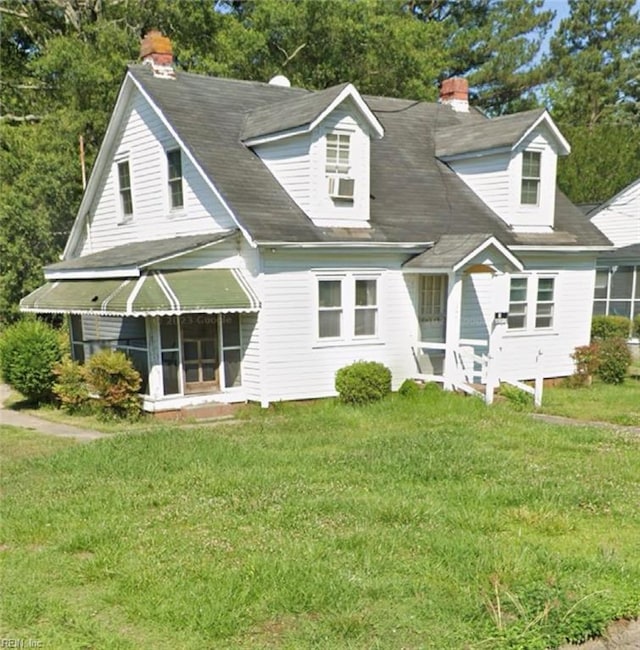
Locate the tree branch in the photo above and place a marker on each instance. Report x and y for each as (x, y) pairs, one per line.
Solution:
(20, 119)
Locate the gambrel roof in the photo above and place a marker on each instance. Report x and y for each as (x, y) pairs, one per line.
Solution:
(415, 197)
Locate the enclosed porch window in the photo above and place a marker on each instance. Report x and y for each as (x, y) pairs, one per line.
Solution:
(200, 353)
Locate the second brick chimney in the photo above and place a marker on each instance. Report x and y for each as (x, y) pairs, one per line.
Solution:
(156, 50)
(454, 92)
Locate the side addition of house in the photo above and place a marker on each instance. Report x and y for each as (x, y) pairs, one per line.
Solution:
(243, 240)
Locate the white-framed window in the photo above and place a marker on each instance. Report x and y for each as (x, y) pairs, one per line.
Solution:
(330, 308)
(433, 297)
(174, 177)
(530, 184)
(517, 319)
(545, 303)
(366, 307)
(341, 185)
(124, 189)
(348, 306)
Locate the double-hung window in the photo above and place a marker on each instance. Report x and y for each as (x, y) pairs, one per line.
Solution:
(329, 309)
(517, 318)
(530, 188)
(366, 307)
(174, 166)
(124, 188)
(544, 303)
(337, 166)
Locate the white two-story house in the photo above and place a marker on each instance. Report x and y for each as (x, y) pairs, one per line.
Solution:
(244, 240)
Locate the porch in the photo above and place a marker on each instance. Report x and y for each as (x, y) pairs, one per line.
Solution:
(462, 306)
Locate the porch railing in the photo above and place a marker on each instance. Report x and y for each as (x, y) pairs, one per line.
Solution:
(467, 366)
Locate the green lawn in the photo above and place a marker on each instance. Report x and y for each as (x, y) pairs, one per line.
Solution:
(599, 402)
(426, 523)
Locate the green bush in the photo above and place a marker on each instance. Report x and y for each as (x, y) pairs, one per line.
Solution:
(29, 350)
(587, 358)
(614, 360)
(363, 382)
(607, 327)
(636, 326)
(71, 386)
(116, 382)
(409, 388)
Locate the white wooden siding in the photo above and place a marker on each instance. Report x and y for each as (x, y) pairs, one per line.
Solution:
(325, 211)
(496, 179)
(573, 297)
(620, 220)
(296, 365)
(488, 177)
(288, 160)
(144, 140)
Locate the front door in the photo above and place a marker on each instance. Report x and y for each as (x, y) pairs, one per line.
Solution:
(200, 353)
(433, 308)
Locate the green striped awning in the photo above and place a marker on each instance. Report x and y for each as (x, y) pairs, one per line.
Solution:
(157, 293)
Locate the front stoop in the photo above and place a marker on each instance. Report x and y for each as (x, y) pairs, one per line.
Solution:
(200, 412)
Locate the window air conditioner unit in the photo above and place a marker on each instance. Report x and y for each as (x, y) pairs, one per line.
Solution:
(341, 187)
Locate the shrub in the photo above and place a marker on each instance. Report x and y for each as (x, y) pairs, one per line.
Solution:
(587, 358)
(606, 327)
(116, 382)
(409, 388)
(71, 386)
(363, 382)
(29, 350)
(636, 326)
(614, 360)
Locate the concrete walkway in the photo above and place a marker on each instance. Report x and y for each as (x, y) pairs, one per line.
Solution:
(26, 421)
(560, 419)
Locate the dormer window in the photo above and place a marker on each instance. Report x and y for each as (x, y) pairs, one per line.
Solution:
(174, 165)
(530, 188)
(341, 186)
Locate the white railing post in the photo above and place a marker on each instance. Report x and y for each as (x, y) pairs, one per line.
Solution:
(539, 381)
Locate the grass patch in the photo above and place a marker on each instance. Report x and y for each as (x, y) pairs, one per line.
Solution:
(425, 523)
(600, 402)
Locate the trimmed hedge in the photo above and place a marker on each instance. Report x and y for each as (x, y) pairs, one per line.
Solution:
(29, 351)
(363, 382)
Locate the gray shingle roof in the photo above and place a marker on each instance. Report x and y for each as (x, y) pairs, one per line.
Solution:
(288, 114)
(136, 255)
(629, 253)
(447, 252)
(498, 133)
(414, 196)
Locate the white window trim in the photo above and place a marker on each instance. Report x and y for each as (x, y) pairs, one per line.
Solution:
(530, 328)
(120, 158)
(526, 302)
(522, 178)
(553, 302)
(347, 279)
(174, 211)
(338, 174)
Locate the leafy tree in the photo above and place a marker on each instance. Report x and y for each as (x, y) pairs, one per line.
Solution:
(494, 43)
(595, 58)
(595, 97)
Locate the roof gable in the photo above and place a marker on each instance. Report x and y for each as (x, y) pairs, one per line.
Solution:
(504, 133)
(302, 114)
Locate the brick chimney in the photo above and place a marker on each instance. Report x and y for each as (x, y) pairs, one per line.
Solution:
(454, 92)
(156, 50)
